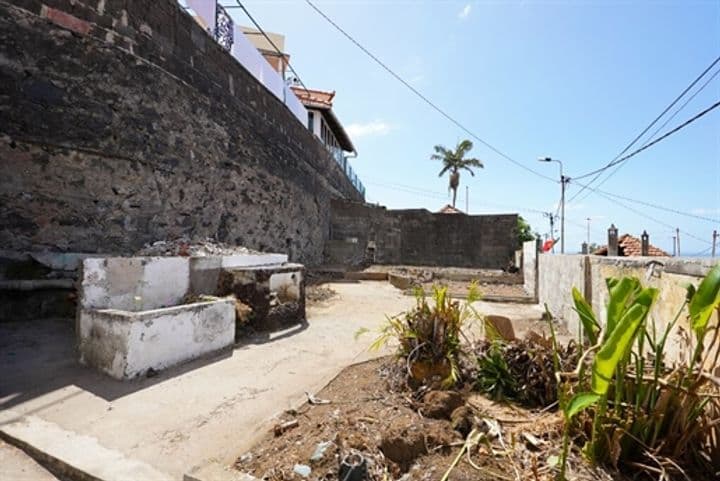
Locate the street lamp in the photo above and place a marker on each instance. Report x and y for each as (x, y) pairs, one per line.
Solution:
(563, 181)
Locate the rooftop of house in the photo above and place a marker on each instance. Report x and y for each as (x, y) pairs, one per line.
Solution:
(322, 101)
(629, 246)
(448, 209)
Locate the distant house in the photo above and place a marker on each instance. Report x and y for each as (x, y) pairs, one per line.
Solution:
(448, 209)
(323, 122)
(629, 246)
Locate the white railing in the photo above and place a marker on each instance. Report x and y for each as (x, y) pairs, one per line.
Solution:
(250, 57)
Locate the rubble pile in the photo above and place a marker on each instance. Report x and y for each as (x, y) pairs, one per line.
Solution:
(185, 247)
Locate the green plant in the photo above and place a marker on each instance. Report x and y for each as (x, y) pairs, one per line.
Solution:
(645, 414)
(429, 335)
(453, 161)
(524, 230)
(494, 376)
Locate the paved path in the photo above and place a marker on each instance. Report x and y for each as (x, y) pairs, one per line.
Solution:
(15, 465)
(206, 411)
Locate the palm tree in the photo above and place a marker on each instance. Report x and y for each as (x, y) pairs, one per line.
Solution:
(453, 161)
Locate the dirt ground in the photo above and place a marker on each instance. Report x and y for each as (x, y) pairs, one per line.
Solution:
(15, 465)
(409, 436)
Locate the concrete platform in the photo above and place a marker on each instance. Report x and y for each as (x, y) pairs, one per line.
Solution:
(16, 465)
(202, 413)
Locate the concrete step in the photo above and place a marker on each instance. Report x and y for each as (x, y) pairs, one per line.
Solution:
(72, 455)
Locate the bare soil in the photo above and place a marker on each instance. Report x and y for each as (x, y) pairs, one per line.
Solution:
(409, 435)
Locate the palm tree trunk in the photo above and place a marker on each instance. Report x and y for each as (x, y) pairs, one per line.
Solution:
(454, 195)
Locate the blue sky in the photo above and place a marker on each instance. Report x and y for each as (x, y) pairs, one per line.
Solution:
(575, 81)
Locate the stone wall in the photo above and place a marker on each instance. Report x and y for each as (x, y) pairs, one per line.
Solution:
(419, 237)
(122, 122)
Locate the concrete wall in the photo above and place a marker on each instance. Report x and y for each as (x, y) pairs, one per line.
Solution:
(419, 237)
(529, 259)
(123, 122)
(146, 283)
(559, 273)
(126, 344)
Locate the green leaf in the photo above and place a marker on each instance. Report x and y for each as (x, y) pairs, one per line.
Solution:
(621, 290)
(580, 402)
(587, 316)
(620, 340)
(705, 300)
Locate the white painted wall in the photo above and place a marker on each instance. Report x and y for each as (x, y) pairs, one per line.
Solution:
(126, 344)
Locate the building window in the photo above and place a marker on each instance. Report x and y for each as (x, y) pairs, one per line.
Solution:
(311, 121)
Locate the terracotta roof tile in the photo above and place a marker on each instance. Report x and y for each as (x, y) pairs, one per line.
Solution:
(448, 209)
(629, 246)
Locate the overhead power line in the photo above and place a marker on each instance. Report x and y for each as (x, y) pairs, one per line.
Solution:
(267, 37)
(659, 139)
(650, 204)
(645, 216)
(639, 136)
(650, 139)
(424, 98)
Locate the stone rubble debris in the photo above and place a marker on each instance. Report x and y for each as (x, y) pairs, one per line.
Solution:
(183, 246)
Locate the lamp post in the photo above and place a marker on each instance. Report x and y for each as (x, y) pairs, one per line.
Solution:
(563, 181)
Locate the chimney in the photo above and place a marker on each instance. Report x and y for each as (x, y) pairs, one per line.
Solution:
(645, 249)
(612, 241)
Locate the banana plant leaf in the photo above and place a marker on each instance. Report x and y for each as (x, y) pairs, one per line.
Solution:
(580, 402)
(621, 291)
(705, 300)
(620, 339)
(587, 317)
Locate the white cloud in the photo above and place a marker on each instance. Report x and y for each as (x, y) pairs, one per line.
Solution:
(376, 127)
(465, 12)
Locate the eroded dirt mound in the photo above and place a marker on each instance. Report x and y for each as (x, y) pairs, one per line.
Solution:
(441, 404)
(372, 414)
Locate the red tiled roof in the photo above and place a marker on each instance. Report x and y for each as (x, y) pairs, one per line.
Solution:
(629, 246)
(319, 99)
(448, 209)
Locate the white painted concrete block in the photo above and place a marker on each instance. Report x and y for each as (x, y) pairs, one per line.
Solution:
(125, 344)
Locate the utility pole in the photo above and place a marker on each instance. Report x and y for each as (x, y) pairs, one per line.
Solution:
(674, 246)
(551, 216)
(563, 180)
(715, 237)
(677, 239)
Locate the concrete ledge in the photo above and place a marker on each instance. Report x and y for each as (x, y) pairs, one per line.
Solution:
(366, 276)
(72, 455)
(36, 284)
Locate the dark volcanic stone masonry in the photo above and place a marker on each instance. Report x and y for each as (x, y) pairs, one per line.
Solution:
(122, 122)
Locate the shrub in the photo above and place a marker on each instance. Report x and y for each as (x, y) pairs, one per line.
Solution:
(429, 335)
(644, 414)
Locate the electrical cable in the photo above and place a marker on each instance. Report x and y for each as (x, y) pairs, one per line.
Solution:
(425, 99)
(279, 52)
(638, 137)
(678, 110)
